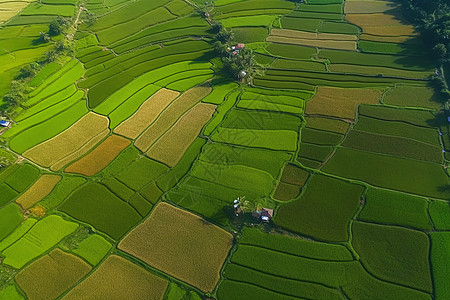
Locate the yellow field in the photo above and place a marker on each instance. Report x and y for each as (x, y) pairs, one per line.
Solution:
(341, 103)
(100, 157)
(171, 146)
(382, 24)
(341, 68)
(117, 278)
(180, 244)
(147, 113)
(52, 275)
(68, 141)
(380, 20)
(80, 152)
(9, 9)
(40, 189)
(312, 35)
(328, 44)
(361, 7)
(169, 116)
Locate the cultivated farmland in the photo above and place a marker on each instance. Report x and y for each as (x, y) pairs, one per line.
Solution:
(224, 149)
(171, 252)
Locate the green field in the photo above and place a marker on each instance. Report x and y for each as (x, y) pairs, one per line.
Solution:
(313, 214)
(96, 205)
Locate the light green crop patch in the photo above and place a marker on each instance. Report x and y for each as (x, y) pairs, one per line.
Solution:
(44, 235)
(93, 249)
(10, 293)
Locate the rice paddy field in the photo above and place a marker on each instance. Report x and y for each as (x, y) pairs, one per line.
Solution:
(136, 167)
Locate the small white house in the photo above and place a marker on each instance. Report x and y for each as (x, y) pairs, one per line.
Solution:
(4, 123)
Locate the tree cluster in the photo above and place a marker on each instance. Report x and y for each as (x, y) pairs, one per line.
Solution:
(58, 26)
(239, 63)
(18, 91)
(433, 20)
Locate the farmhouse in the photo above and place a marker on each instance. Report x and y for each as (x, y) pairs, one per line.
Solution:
(265, 214)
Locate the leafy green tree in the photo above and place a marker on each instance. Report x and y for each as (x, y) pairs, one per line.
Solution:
(57, 26)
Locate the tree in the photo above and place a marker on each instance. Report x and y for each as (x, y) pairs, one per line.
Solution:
(57, 26)
(440, 52)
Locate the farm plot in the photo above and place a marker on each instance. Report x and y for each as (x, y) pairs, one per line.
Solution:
(10, 218)
(10, 9)
(323, 211)
(291, 182)
(40, 189)
(370, 24)
(45, 110)
(22, 177)
(67, 76)
(42, 236)
(268, 139)
(321, 40)
(318, 137)
(269, 161)
(147, 113)
(377, 60)
(186, 26)
(61, 191)
(100, 157)
(255, 119)
(125, 68)
(327, 124)
(413, 269)
(171, 146)
(416, 117)
(51, 275)
(392, 48)
(239, 177)
(403, 95)
(17, 233)
(69, 141)
(307, 80)
(373, 70)
(340, 103)
(48, 129)
(286, 274)
(10, 292)
(141, 172)
(388, 207)
(291, 51)
(371, 6)
(81, 151)
(93, 203)
(36, 8)
(170, 115)
(93, 249)
(7, 193)
(417, 177)
(311, 25)
(313, 152)
(393, 145)
(117, 277)
(439, 213)
(246, 278)
(440, 245)
(171, 251)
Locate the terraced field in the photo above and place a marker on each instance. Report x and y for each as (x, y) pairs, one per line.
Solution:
(136, 167)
